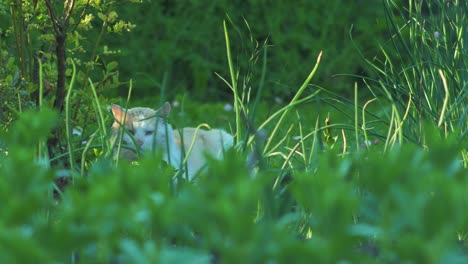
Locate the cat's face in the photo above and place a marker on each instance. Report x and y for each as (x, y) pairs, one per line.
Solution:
(147, 126)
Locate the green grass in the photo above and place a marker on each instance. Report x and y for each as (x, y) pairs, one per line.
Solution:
(423, 73)
(317, 179)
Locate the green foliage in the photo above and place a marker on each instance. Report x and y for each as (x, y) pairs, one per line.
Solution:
(28, 59)
(294, 189)
(14, 94)
(424, 73)
(419, 200)
(403, 206)
(185, 40)
(25, 185)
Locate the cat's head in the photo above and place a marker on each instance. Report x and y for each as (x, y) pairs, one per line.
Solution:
(147, 126)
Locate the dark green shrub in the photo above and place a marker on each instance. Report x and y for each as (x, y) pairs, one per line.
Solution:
(185, 40)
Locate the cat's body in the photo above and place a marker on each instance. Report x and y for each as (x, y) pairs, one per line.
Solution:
(151, 131)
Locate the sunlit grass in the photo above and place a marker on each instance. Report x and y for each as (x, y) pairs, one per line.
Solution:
(423, 71)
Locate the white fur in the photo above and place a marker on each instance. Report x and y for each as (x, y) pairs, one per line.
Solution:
(148, 128)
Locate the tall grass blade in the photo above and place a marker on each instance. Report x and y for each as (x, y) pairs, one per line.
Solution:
(446, 98)
(356, 121)
(71, 158)
(122, 130)
(293, 100)
(233, 84)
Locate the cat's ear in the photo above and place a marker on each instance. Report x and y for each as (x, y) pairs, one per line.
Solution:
(166, 109)
(118, 112)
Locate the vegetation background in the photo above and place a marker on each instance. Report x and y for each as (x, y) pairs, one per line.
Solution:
(185, 40)
(352, 116)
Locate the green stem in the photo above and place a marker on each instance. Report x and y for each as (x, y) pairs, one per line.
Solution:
(295, 98)
(233, 84)
(356, 121)
(67, 117)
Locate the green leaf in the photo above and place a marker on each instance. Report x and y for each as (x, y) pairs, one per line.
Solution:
(111, 66)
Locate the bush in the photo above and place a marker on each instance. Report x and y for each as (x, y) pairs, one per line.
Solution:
(403, 206)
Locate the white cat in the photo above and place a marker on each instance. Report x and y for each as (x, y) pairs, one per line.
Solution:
(151, 131)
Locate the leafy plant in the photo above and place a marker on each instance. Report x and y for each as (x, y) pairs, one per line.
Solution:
(40, 73)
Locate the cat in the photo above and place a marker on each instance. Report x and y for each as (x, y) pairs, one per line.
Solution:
(151, 132)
